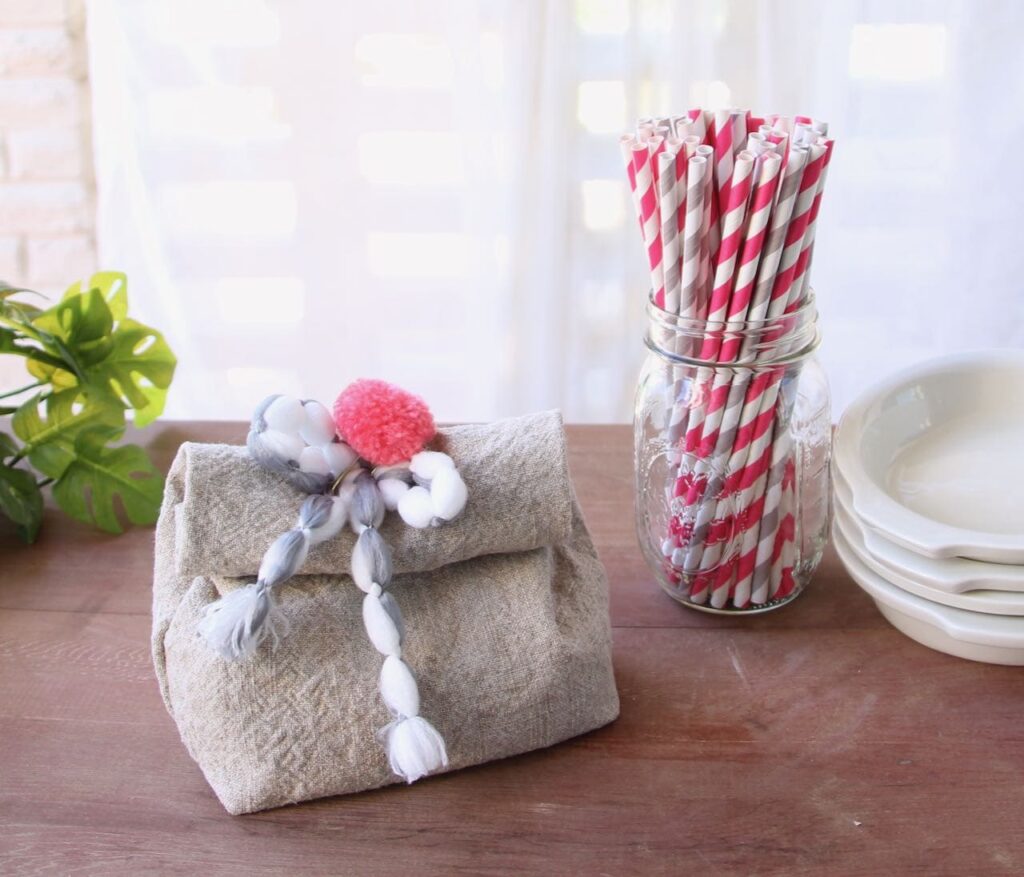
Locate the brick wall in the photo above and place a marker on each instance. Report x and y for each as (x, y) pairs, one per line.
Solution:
(47, 190)
(46, 179)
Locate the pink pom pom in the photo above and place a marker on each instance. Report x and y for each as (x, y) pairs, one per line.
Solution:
(383, 423)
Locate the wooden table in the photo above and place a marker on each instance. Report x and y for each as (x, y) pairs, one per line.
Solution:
(813, 740)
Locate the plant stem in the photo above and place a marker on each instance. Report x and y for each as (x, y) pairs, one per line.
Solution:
(24, 389)
(44, 482)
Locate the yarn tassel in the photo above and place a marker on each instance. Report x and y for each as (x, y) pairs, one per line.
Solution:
(414, 748)
(235, 625)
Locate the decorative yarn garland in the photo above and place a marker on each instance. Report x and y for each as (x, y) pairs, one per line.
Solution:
(297, 440)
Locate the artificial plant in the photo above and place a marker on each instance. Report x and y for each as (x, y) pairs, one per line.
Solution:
(90, 364)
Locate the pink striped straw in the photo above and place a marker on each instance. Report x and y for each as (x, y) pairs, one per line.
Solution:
(627, 143)
(753, 244)
(723, 157)
(757, 587)
(797, 227)
(709, 236)
(803, 263)
(651, 222)
(667, 187)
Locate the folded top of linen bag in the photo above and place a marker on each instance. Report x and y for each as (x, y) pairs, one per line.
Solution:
(230, 509)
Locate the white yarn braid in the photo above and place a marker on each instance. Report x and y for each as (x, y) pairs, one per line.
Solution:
(413, 745)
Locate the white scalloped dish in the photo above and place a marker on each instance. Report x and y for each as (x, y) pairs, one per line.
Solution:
(951, 575)
(994, 639)
(992, 602)
(934, 457)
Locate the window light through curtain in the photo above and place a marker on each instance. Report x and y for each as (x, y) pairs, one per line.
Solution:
(307, 192)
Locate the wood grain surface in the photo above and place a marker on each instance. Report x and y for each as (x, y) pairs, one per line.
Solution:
(813, 740)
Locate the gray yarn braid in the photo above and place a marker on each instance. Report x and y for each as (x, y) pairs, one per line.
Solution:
(239, 622)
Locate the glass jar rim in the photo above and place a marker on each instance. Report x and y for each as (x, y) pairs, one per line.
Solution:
(806, 313)
(781, 340)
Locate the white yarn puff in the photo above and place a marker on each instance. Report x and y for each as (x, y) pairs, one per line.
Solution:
(448, 494)
(398, 688)
(426, 464)
(416, 508)
(414, 748)
(380, 627)
(235, 625)
(392, 490)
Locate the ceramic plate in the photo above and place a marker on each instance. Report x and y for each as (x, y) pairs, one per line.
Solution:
(994, 639)
(953, 575)
(933, 456)
(993, 602)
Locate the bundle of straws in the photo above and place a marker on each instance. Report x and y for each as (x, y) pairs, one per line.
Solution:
(727, 204)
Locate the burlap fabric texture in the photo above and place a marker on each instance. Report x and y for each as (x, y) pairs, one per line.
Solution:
(505, 609)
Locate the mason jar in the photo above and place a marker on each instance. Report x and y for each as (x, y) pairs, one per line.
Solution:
(732, 436)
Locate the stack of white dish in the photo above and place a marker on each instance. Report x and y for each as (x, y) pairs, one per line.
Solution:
(929, 502)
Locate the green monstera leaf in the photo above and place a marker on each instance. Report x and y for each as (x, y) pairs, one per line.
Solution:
(112, 285)
(98, 476)
(92, 364)
(48, 429)
(21, 501)
(139, 367)
(105, 351)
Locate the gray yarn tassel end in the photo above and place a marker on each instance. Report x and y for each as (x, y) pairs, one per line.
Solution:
(235, 625)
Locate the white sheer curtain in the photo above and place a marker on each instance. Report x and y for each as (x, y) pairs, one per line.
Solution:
(306, 192)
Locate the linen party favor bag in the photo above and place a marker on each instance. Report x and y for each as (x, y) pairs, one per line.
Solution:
(504, 622)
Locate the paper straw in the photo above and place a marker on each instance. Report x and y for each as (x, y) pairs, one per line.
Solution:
(689, 275)
(723, 157)
(733, 228)
(753, 244)
(669, 229)
(709, 238)
(793, 241)
(803, 263)
(781, 581)
(774, 243)
(738, 120)
(627, 143)
(668, 188)
(693, 234)
(651, 227)
(770, 516)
